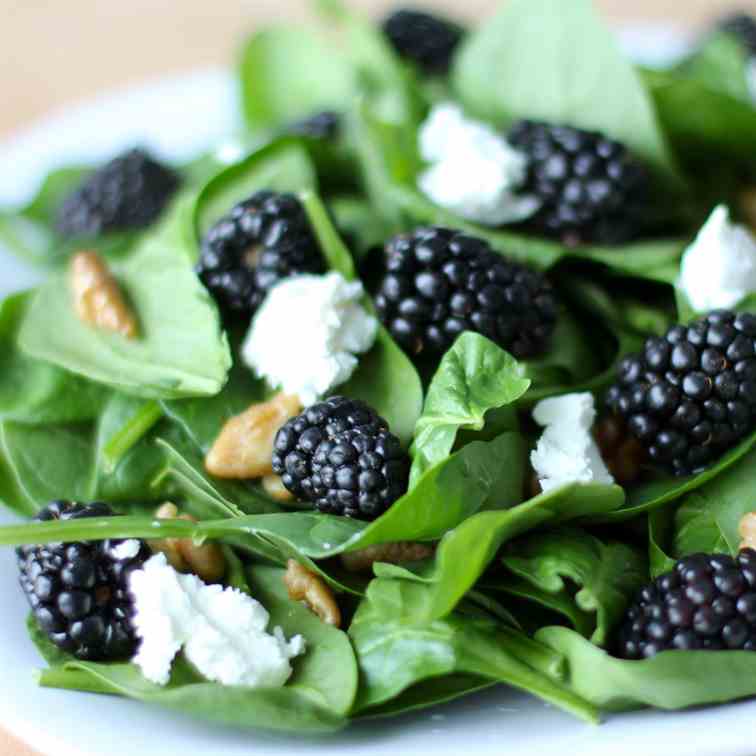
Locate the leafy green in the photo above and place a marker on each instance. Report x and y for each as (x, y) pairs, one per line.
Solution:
(180, 349)
(670, 680)
(607, 574)
(659, 533)
(474, 376)
(720, 64)
(500, 75)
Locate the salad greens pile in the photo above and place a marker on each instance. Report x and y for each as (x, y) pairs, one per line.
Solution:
(522, 588)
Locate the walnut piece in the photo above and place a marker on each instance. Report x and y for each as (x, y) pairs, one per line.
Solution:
(244, 447)
(747, 530)
(205, 560)
(97, 297)
(393, 553)
(303, 585)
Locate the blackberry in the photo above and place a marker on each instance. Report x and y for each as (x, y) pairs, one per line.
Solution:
(260, 242)
(707, 602)
(78, 592)
(742, 26)
(439, 283)
(691, 394)
(592, 190)
(127, 193)
(427, 41)
(325, 125)
(339, 455)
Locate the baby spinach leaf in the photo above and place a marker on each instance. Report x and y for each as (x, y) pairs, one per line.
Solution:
(720, 64)
(659, 535)
(395, 654)
(289, 73)
(180, 350)
(357, 221)
(32, 391)
(607, 574)
(474, 376)
(500, 75)
(317, 698)
(670, 680)
(333, 248)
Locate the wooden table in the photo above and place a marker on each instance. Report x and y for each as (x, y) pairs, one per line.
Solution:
(56, 53)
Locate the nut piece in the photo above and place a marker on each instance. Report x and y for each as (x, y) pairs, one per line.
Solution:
(747, 205)
(393, 553)
(747, 530)
(244, 447)
(274, 487)
(303, 585)
(204, 560)
(97, 297)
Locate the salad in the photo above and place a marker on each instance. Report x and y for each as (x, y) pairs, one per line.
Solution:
(440, 375)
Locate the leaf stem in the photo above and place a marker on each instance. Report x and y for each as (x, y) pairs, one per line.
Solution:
(120, 443)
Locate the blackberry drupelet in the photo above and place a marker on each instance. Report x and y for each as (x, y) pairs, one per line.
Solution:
(339, 455)
(127, 193)
(691, 394)
(426, 40)
(325, 125)
(742, 26)
(591, 188)
(440, 282)
(79, 592)
(708, 601)
(262, 241)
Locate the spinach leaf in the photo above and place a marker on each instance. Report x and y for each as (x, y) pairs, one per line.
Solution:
(670, 680)
(607, 574)
(289, 73)
(358, 222)
(659, 535)
(475, 376)
(181, 350)
(123, 423)
(317, 698)
(720, 64)
(500, 75)
(395, 654)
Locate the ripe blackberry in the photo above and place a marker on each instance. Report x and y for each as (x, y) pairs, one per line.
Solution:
(79, 592)
(708, 601)
(260, 242)
(691, 394)
(325, 125)
(426, 40)
(591, 188)
(128, 192)
(439, 283)
(339, 455)
(742, 26)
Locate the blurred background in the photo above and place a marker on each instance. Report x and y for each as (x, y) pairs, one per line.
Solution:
(54, 53)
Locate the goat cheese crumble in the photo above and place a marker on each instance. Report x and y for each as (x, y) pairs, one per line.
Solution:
(127, 549)
(566, 451)
(307, 334)
(473, 171)
(222, 630)
(719, 268)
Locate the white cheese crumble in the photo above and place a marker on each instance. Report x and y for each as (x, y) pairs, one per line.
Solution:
(127, 549)
(305, 337)
(751, 78)
(222, 630)
(566, 451)
(473, 171)
(719, 268)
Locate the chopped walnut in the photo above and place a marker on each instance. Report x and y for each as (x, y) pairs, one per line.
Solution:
(244, 447)
(97, 296)
(747, 530)
(274, 487)
(393, 553)
(303, 585)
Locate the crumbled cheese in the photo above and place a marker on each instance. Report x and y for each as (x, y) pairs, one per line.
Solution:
(222, 630)
(719, 268)
(473, 170)
(305, 337)
(566, 451)
(127, 549)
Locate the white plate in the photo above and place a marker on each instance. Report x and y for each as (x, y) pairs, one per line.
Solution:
(61, 723)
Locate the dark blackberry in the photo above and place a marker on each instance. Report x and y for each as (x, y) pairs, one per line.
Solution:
(742, 26)
(262, 241)
(339, 455)
(592, 190)
(325, 125)
(691, 394)
(439, 283)
(707, 602)
(79, 592)
(127, 193)
(427, 41)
